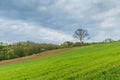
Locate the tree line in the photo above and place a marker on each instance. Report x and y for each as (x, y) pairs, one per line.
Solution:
(21, 49)
(27, 48)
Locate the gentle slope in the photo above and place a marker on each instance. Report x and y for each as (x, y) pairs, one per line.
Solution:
(94, 62)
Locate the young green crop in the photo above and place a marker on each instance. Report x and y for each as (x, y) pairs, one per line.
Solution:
(93, 62)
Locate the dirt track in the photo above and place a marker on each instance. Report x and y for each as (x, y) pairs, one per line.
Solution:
(33, 57)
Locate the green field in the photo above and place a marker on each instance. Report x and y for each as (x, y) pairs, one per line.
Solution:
(93, 62)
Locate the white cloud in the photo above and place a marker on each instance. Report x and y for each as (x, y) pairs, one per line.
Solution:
(106, 13)
(102, 15)
(32, 31)
(111, 22)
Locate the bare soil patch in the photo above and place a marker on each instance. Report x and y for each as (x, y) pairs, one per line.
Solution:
(45, 54)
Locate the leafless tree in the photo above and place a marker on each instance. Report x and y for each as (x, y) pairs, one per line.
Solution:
(81, 34)
(108, 40)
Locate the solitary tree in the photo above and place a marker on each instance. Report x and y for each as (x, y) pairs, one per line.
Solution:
(81, 34)
(108, 40)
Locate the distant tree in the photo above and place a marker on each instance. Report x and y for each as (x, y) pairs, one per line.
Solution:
(81, 34)
(21, 49)
(1, 47)
(1, 43)
(108, 40)
(67, 44)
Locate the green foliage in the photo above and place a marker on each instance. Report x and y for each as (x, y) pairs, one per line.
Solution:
(27, 48)
(93, 62)
(1, 47)
(67, 44)
(21, 49)
(1, 56)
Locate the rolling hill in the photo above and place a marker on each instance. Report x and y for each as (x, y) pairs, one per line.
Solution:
(93, 62)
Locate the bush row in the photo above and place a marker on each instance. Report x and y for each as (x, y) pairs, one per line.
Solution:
(21, 49)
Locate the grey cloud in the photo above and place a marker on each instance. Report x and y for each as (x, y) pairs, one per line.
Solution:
(98, 16)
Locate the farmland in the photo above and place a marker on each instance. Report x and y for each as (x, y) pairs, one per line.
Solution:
(92, 62)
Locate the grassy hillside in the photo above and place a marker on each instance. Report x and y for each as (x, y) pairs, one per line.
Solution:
(94, 62)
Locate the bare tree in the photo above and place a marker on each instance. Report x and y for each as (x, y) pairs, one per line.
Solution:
(81, 34)
(108, 40)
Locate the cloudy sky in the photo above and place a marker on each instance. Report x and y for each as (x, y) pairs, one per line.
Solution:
(55, 21)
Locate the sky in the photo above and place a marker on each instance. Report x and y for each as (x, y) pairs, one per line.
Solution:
(54, 21)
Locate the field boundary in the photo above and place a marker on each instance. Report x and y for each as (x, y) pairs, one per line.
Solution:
(37, 56)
